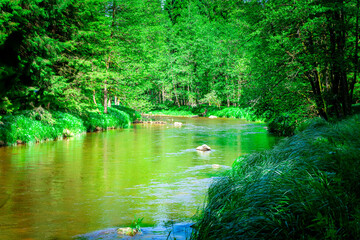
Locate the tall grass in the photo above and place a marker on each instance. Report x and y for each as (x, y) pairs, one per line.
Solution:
(234, 112)
(39, 125)
(171, 112)
(307, 187)
(206, 111)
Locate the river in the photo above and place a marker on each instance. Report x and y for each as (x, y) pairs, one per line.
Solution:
(60, 189)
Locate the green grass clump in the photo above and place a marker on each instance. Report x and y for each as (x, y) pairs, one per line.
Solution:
(115, 118)
(307, 187)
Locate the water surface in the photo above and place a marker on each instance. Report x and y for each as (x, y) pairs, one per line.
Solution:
(56, 190)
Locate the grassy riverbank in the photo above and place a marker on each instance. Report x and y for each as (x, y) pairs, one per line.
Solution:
(206, 111)
(307, 187)
(41, 125)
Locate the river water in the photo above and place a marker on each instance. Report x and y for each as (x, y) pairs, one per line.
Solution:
(60, 189)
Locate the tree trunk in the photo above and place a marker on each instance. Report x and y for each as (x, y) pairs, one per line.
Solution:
(176, 97)
(105, 97)
(340, 88)
(94, 99)
(109, 57)
(356, 57)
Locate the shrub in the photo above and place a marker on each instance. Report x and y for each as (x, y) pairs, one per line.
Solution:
(67, 124)
(133, 114)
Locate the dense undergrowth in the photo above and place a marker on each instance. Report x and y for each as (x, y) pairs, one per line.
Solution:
(307, 187)
(206, 111)
(40, 125)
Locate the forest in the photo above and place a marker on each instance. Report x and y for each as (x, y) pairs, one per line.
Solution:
(285, 60)
(74, 66)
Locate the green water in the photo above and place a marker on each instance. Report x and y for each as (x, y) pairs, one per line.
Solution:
(56, 190)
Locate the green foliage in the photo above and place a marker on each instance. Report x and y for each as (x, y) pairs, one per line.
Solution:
(285, 60)
(200, 110)
(69, 125)
(134, 115)
(39, 125)
(96, 121)
(21, 129)
(305, 188)
(212, 99)
(232, 112)
(136, 224)
(284, 124)
(173, 111)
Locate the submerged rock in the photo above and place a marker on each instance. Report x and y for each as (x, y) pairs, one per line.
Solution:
(178, 124)
(204, 148)
(215, 166)
(158, 122)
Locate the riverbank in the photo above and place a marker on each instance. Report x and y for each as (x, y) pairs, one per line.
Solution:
(307, 187)
(207, 111)
(40, 125)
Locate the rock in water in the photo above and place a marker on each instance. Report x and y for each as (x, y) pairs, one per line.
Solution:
(203, 148)
(215, 166)
(179, 124)
(127, 231)
(213, 116)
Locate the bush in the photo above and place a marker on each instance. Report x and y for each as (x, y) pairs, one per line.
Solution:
(307, 187)
(115, 118)
(67, 124)
(134, 115)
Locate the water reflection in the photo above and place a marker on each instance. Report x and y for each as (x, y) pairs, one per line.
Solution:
(99, 180)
